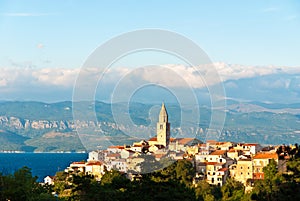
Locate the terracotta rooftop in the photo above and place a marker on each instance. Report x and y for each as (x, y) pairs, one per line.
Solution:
(153, 139)
(80, 162)
(232, 150)
(172, 139)
(185, 140)
(116, 147)
(137, 145)
(159, 155)
(94, 163)
(247, 144)
(211, 141)
(220, 143)
(266, 156)
(223, 169)
(218, 152)
(213, 163)
(113, 155)
(250, 144)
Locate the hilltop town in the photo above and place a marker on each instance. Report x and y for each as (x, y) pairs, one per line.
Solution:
(213, 161)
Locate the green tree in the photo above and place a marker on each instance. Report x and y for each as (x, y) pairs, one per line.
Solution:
(206, 192)
(232, 190)
(185, 171)
(23, 186)
(115, 179)
(270, 187)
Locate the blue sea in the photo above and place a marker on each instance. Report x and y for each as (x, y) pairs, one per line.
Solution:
(41, 164)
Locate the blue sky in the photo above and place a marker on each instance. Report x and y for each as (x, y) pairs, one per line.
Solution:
(62, 34)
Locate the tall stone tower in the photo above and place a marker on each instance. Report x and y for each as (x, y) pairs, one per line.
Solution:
(163, 127)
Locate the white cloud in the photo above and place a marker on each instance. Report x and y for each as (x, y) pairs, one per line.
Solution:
(61, 79)
(168, 75)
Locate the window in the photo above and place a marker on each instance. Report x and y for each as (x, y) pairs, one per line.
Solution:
(161, 126)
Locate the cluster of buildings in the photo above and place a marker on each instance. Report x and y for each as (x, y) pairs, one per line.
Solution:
(213, 161)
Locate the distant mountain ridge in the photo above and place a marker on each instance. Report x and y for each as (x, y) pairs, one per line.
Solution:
(50, 127)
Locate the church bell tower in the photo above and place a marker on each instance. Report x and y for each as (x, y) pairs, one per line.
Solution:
(163, 127)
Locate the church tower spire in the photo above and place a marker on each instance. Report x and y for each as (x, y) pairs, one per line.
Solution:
(163, 127)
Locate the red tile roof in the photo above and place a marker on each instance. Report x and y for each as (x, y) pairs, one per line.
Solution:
(262, 155)
(159, 155)
(218, 152)
(214, 163)
(223, 169)
(81, 162)
(250, 144)
(211, 163)
(94, 163)
(113, 155)
(137, 145)
(185, 140)
(153, 139)
(116, 147)
(232, 150)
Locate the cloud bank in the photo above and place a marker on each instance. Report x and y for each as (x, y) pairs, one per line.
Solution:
(46, 83)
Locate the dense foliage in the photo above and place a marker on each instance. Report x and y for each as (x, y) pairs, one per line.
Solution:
(174, 182)
(23, 186)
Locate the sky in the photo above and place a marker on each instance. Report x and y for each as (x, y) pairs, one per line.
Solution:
(63, 33)
(37, 36)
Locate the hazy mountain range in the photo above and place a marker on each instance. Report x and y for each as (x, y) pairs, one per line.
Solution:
(38, 126)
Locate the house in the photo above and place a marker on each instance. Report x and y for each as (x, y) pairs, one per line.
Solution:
(115, 149)
(98, 155)
(49, 180)
(217, 156)
(176, 155)
(76, 167)
(136, 148)
(215, 174)
(112, 156)
(156, 147)
(125, 153)
(95, 168)
(234, 153)
(181, 144)
(248, 148)
(243, 170)
(119, 164)
(221, 176)
(260, 160)
(220, 145)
